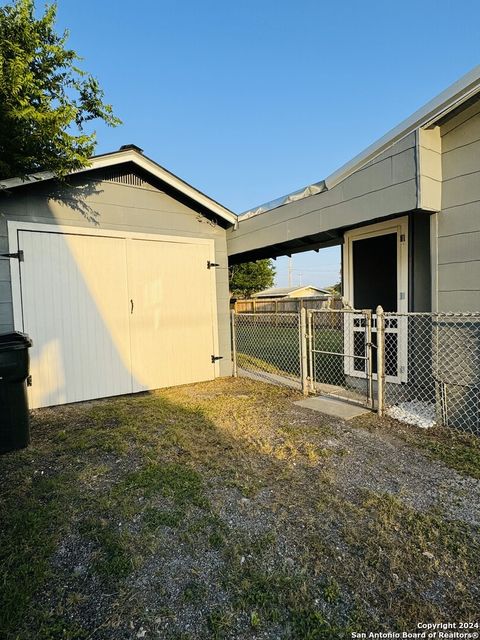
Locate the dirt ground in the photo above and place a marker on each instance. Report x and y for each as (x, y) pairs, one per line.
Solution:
(222, 510)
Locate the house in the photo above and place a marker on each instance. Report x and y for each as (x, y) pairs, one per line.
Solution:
(406, 212)
(292, 292)
(115, 278)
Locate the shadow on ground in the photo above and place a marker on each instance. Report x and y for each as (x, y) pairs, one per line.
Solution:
(222, 510)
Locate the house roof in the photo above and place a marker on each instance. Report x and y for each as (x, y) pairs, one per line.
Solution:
(133, 154)
(460, 92)
(280, 292)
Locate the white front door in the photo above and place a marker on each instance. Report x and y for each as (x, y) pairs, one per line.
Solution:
(171, 313)
(73, 299)
(376, 273)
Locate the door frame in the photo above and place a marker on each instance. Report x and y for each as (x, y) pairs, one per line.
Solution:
(399, 226)
(15, 226)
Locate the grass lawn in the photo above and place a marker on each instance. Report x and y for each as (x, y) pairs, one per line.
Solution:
(222, 510)
(277, 351)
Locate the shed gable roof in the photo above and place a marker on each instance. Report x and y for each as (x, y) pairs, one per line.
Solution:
(130, 154)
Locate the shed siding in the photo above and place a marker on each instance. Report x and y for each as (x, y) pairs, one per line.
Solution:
(458, 222)
(121, 207)
(384, 187)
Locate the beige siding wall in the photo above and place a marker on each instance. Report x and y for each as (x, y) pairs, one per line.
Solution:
(458, 222)
(429, 169)
(111, 205)
(385, 186)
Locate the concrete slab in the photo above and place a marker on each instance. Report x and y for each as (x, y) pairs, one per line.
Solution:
(333, 407)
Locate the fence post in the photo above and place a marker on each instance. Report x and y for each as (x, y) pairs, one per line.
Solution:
(311, 371)
(380, 361)
(303, 352)
(234, 344)
(368, 348)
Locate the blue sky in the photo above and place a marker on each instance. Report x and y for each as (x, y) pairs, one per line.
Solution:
(250, 100)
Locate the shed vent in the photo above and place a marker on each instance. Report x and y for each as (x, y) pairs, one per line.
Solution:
(124, 177)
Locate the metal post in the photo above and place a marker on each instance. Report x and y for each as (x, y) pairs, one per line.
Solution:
(303, 352)
(311, 372)
(368, 353)
(380, 360)
(234, 344)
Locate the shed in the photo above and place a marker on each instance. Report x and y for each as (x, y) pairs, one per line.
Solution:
(119, 277)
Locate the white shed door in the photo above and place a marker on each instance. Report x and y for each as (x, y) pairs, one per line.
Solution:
(75, 308)
(171, 314)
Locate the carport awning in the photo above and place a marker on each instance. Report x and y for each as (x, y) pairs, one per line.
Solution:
(297, 245)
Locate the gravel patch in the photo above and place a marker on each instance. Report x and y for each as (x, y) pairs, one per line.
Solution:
(417, 413)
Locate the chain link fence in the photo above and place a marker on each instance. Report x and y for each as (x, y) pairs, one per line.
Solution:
(268, 346)
(432, 369)
(429, 363)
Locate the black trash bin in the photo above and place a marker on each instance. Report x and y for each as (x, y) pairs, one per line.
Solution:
(14, 369)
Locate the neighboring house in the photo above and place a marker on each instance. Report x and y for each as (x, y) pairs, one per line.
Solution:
(406, 212)
(292, 292)
(111, 278)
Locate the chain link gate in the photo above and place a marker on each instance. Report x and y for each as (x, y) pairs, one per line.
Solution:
(340, 354)
(317, 351)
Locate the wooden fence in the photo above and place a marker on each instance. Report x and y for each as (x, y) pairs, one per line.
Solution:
(285, 305)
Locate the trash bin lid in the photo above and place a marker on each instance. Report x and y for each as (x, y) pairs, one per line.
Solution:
(14, 340)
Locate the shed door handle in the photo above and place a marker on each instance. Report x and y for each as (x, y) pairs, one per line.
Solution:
(131, 306)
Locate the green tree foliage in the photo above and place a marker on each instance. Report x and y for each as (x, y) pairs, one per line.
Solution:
(335, 289)
(45, 99)
(250, 277)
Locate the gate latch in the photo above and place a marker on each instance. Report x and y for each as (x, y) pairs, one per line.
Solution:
(215, 358)
(18, 255)
(212, 264)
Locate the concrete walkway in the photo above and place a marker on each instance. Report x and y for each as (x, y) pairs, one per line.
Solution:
(333, 407)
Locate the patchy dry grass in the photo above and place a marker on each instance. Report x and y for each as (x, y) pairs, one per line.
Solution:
(458, 450)
(221, 510)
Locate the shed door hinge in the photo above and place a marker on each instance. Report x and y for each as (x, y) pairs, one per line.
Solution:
(215, 358)
(18, 255)
(402, 237)
(29, 381)
(212, 264)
